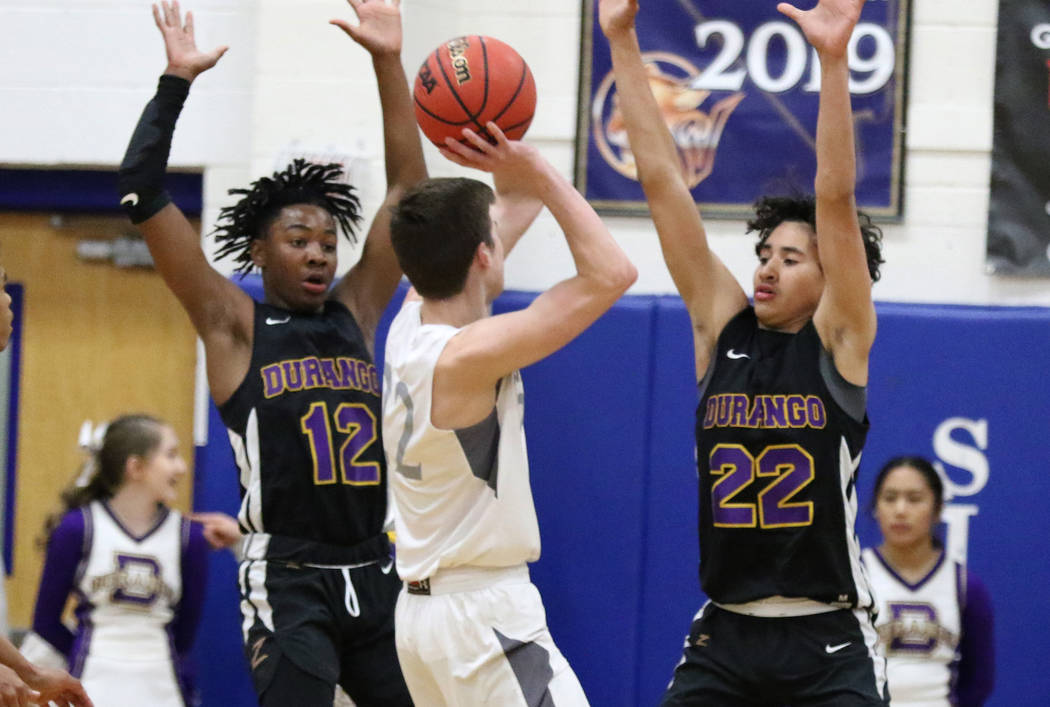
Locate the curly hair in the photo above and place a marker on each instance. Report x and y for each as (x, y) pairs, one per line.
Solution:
(771, 211)
(301, 182)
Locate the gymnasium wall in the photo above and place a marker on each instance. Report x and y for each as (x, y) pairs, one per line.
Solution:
(610, 427)
(74, 78)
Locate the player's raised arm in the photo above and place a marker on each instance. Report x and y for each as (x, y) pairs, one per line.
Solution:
(493, 347)
(370, 284)
(710, 292)
(221, 313)
(845, 317)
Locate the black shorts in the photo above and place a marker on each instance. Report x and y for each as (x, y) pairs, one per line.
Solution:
(734, 660)
(336, 625)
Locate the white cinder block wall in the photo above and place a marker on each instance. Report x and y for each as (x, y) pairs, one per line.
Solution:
(74, 75)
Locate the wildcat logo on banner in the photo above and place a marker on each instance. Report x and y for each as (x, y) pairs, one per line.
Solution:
(738, 87)
(1019, 205)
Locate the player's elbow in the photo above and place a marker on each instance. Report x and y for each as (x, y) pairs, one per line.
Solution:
(619, 276)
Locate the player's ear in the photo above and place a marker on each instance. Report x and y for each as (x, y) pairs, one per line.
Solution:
(257, 253)
(133, 468)
(483, 255)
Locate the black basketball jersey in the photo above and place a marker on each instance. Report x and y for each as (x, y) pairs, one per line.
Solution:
(305, 429)
(777, 459)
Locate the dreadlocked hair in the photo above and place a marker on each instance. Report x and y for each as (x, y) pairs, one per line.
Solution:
(301, 182)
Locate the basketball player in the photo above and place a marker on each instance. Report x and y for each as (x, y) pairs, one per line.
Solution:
(781, 419)
(935, 621)
(136, 567)
(471, 629)
(294, 380)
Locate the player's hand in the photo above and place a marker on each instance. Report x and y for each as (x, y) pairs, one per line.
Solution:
(617, 16)
(184, 59)
(13, 691)
(512, 162)
(220, 530)
(58, 686)
(378, 27)
(828, 26)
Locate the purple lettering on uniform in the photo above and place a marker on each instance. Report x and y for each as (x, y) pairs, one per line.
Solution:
(293, 374)
(739, 416)
(914, 627)
(755, 417)
(312, 373)
(348, 374)
(331, 379)
(709, 414)
(794, 469)
(735, 467)
(271, 376)
(138, 580)
(796, 408)
(815, 412)
(723, 411)
(773, 405)
(362, 375)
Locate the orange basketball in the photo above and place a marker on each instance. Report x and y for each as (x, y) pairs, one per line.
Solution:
(468, 81)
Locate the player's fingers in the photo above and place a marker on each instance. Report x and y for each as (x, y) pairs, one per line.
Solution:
(350, 29)
(187, 26)
(477, 141)
(216, 54)
(495, 132)
(450, 153)
(789, 10)
(157, 19)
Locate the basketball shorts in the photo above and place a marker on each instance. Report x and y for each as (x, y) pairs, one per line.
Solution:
(335, 624)
(478, 636)
(820, 660)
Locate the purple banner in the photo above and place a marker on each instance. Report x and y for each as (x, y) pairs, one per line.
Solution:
(738, 86)
(1019, 203)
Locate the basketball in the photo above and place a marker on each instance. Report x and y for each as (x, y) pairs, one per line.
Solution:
(468, 81)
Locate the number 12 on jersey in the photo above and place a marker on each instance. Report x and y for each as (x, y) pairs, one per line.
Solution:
(352, 420)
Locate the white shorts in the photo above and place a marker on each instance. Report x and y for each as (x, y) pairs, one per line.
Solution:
(480, 638)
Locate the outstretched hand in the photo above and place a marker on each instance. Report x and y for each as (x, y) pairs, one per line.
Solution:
(59, 687)
(617, 16)
(828, 26)
(220, 530)
(378, 27)
(184, 59)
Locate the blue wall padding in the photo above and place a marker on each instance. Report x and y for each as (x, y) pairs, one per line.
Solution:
(588, 435)
(671, 594)
(610, 428)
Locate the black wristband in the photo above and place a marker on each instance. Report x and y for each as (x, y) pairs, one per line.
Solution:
(141, 176)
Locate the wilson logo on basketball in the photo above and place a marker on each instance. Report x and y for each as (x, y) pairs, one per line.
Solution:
(456, 50)
(467, 82)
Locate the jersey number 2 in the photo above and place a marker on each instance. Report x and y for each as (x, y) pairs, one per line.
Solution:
(789, 466)
(358, 424)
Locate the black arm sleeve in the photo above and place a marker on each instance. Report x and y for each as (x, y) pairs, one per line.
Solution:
(141, 176)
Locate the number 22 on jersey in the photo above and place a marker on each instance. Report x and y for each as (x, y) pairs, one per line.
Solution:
(789, 469)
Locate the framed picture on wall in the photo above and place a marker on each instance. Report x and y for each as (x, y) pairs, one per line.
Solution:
(738, 86)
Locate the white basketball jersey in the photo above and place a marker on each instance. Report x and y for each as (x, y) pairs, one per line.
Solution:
(460, 497)
(129, 587)
(919, 627)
